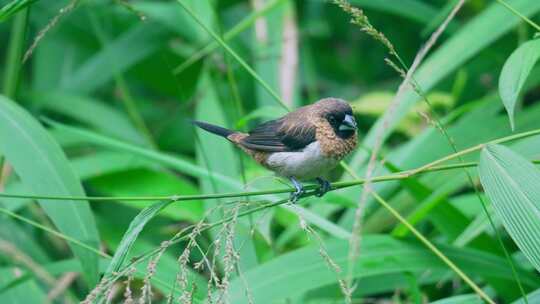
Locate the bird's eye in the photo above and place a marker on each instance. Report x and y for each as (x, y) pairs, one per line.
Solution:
(332, 119)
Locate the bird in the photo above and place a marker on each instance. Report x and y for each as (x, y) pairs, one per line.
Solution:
(303, 145)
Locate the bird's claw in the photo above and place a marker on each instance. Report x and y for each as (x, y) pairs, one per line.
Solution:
(325, 186)
(299, 191)
(295, 196)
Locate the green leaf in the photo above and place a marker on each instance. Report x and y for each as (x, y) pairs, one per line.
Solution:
(104, 118)
(44, 169)
(129, 238)
(514, 74)
(512, 184)
(130, 48)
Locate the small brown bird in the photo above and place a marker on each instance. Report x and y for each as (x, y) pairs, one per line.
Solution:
(301, 145)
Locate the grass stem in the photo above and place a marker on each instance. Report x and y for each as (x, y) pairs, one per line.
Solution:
(434, 249)
(234, 55)
(520, 15)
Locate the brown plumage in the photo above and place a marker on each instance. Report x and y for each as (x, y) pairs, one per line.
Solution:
(301, 145)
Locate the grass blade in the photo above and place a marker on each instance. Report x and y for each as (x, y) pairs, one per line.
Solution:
(13, 7)
(135, 227)
(130, 48)
(105, 118)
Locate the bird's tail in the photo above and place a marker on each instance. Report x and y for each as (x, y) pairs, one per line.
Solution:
(214, 129)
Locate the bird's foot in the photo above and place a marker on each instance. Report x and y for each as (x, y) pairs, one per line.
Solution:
(325, 186)
(299, 190)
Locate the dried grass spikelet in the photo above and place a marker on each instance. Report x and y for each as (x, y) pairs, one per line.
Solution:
(41, 34)
(186, 296)
(128, 294)
(360, 19)
(231, 257)
(146, 289)
(97, 291)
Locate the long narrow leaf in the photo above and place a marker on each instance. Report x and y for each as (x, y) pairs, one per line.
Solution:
(135, 227)
(43, 168)
(513, 185)
(13, 7)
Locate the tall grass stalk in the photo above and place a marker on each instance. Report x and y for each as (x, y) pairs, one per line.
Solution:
(360, 19)
(441, 127)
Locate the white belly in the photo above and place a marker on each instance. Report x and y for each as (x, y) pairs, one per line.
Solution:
(306, 164)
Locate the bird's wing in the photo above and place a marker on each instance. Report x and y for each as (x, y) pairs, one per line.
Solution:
(280, 135)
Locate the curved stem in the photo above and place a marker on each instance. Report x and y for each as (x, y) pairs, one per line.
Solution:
(434, 249)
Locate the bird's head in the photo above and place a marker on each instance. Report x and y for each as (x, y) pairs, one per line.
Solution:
(338, 113)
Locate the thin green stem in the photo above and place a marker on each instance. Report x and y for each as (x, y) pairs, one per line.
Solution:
(501, 243)
(434, 249)
(234, 55)
(177, 198)
(125, 96)
(131, 108)
(476, 148)
(53, 232)
(230, 34)
(520, 15)
(239, 110)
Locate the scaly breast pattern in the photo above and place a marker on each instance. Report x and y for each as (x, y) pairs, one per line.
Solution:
(331, 145)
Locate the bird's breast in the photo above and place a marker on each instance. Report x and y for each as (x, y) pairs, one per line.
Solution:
(305, 164)
(331, 144)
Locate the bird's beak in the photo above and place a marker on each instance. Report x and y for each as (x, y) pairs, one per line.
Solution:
(348, 123)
